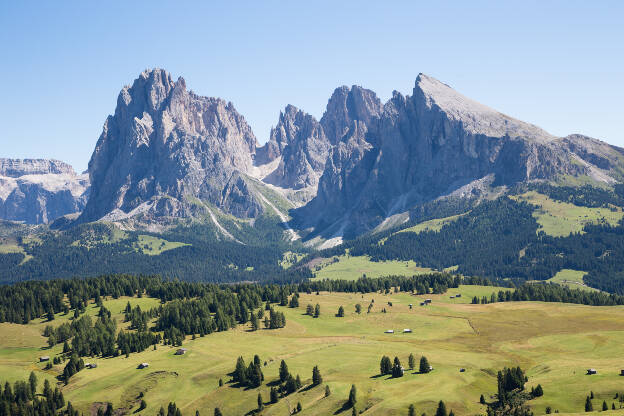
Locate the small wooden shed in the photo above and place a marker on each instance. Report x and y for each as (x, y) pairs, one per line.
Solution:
(591, 371)
(44, 358)
(143, 365)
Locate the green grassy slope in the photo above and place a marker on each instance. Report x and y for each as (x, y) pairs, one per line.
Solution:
(555, 343)
(559, 219)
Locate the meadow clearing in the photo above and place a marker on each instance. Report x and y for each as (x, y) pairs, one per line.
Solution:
(555, 343)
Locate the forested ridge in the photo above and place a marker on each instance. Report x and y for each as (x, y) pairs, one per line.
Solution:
(56, 255)
(500, 239)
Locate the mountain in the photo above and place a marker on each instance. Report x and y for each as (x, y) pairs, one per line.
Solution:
(435, 144)
(37, 191)
(164, 149)
(294, 157)
(168, 154)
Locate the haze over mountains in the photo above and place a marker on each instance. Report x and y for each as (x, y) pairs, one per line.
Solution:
(167, 154)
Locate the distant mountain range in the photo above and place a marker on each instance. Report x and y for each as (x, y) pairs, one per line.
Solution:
(168, 154)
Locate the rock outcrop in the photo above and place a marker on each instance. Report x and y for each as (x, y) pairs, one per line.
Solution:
(165, 148)
(37, 191)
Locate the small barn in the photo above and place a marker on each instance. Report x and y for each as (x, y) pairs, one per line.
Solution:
(427, 300)
(462, 370)
(410, 306)
(143, 365)
(591, 371)
(44, 358)
(452, 297)
(458, 295)
(181, 351)
(91, 365)
(407, 331)
(389, 331)
(422, 303)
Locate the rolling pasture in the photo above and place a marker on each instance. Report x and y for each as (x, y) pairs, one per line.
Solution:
(555, 343)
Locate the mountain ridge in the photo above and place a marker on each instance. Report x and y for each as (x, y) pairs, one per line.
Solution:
(362, 163)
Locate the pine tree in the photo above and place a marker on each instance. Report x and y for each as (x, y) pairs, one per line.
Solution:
(240, 372)
(260, 402)
(411, 411)
(441, 409)
(299, 408)
(274, 396)
(604, 405)
(385, 365)
(254, 322)
(358, 309)
(316, 376)
(217, 412)
(397, 370)
(482, 399)
(340, 313)
(411, 361)
(589, 407)
(352, 396)
(317, 310)
(283, 371)
(32, 382)
(310, 310)
(424, 365)
(538, 392)
(327, 391)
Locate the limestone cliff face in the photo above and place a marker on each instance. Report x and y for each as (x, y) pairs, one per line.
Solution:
(426, 146)
(37, 191)
(166, 146)
(299, 142)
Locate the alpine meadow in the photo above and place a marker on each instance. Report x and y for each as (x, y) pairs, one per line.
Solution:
(409, 253)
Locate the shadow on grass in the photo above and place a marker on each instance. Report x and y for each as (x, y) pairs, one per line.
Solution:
(308, 388)
(346, 406)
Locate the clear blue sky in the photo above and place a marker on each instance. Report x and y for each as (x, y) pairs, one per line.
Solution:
(557, 64)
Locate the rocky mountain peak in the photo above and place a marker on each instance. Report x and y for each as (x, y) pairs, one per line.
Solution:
(475, 117)
(165, 144)
(346, 105)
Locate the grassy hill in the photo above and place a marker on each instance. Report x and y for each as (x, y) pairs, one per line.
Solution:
(560, 219)
(553, 342)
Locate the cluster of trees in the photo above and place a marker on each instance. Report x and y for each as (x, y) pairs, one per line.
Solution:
(314, 311)
(248, 376)
(551, 292)
(74, 365)
(511, 397)
(420, 284)
(394, 368)
(22, 399)
(589, 406)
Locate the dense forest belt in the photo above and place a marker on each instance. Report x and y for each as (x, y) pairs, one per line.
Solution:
(22, 302)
